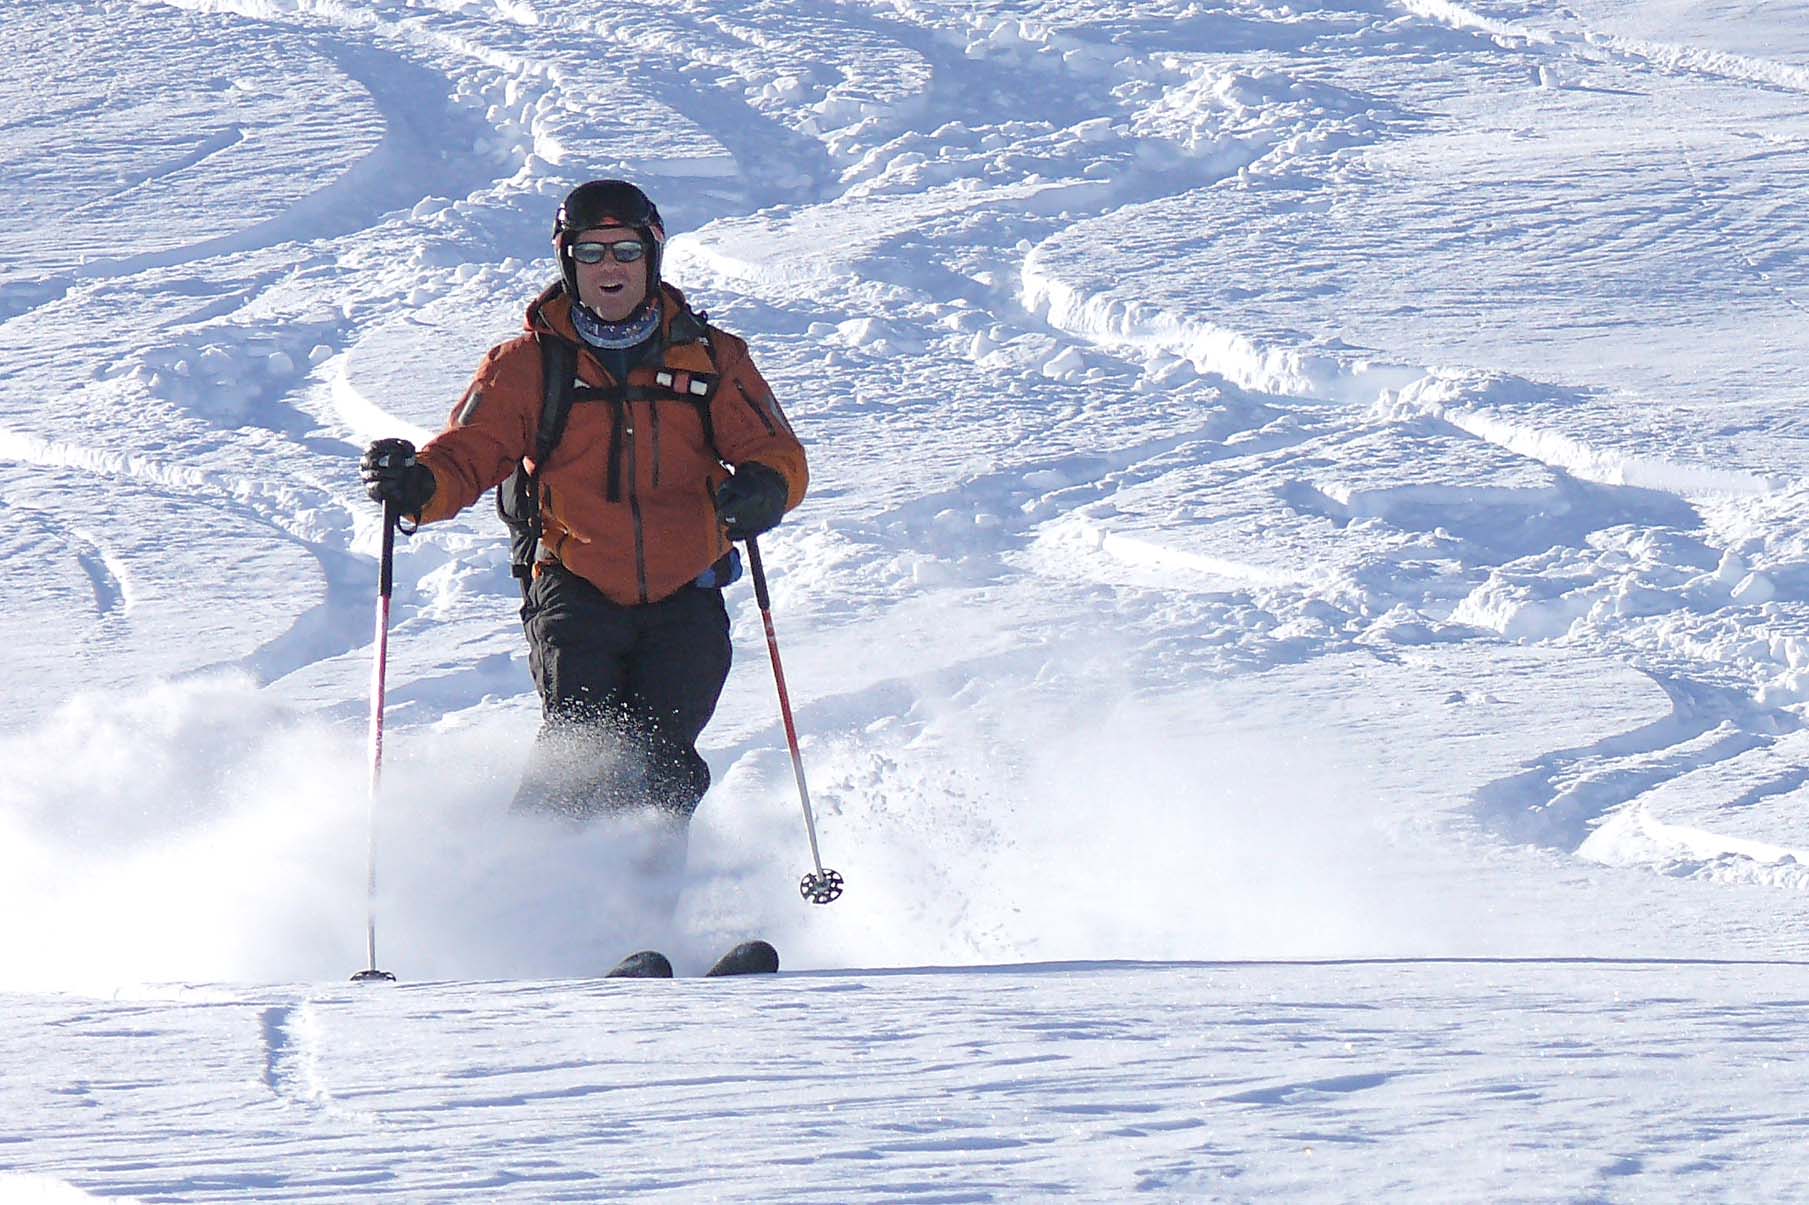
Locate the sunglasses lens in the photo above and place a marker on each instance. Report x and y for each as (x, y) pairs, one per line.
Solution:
(625, 252)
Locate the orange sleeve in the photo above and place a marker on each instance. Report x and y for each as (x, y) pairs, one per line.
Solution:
(749, 423)
(488, 432)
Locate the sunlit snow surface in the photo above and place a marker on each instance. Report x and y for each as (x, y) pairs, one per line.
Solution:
(1300, 632)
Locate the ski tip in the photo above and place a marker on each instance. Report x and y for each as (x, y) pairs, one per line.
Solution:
(643, 964)
(748, 958)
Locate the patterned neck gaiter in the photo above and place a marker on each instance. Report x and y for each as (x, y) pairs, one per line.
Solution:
(638, 327)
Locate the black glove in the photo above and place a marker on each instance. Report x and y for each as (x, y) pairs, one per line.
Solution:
(752, 501)
(392, 474)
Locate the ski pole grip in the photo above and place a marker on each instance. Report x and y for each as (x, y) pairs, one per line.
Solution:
(386, 566)
(759, 574)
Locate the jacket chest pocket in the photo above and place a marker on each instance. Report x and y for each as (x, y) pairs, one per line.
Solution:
(676, 447)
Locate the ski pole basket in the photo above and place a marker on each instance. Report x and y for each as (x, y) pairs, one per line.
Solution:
(821, 887)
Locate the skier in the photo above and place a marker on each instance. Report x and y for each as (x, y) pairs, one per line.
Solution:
(628, 638)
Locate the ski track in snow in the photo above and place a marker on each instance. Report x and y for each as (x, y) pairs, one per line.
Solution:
(1077, 1082)
(1403, 395)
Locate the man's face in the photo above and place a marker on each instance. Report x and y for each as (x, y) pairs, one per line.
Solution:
(613, 290)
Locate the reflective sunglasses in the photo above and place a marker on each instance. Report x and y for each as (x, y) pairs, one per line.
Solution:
(625, 252)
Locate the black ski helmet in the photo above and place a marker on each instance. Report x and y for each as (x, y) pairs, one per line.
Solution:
(608, 203)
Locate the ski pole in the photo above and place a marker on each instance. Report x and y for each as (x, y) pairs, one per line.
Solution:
(820, 886)
(385, 576)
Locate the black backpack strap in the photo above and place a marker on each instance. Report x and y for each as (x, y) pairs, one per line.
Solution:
(689, 326)
(518, 498)
(618, 440)
(669, 384)
(558, 373)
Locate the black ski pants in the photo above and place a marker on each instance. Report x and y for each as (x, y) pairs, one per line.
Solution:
(625, 692)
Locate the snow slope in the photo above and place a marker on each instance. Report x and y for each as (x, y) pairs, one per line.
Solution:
(1300, 632)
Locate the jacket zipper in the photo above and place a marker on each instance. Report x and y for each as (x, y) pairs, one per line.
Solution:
(653, 425)
(634, 505)
(760, 414)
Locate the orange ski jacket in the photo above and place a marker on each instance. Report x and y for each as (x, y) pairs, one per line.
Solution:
(627, 496)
